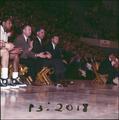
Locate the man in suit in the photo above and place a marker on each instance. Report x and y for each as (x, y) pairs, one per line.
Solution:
(106, 67)
(39, 47)
(56, 59)
(38, 44)
(28, 57)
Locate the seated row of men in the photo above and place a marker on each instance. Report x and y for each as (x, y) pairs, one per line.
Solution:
(31, 53)
(35, 55)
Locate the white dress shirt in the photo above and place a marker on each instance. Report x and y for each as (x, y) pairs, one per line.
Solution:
(3, 34)
(26, 38)
(53, 45)
(39, 40)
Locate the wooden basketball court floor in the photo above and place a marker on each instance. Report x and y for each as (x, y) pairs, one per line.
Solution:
(82, 100)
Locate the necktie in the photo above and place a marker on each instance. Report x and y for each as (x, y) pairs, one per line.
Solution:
(27, 40)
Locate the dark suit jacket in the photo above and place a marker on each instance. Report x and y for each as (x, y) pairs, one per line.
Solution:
(21, 43)
(56, 53)
(105, 67)
(37, 46)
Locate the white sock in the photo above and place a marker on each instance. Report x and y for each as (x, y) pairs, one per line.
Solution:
(4, 73)
(14, 75)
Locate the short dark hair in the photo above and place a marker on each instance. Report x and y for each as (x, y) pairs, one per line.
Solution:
(24, 25)
(38, 29)
(54, 35)
(5, 18)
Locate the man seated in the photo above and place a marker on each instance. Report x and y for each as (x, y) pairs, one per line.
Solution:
(4, 54)
(115, 64)
(27, 57)
(7, 51)
(56, 59)
(107, 66)
(39, 47)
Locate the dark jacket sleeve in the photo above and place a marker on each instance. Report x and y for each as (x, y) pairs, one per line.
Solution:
(105, 67)
(35, 47)
(29, 54)
(56, 54)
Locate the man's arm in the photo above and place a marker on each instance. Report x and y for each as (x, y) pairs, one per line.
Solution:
(2, 44)
(8, 46)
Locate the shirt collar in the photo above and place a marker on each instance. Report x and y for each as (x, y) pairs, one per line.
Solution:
(26, 38)
(39, 39)
(110, 59)
(1, 28)
(53, 45)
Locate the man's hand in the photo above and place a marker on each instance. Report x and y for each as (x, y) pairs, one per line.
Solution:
(16, 51)
(9, 46)
(41, 55)
(48, 55)
(2, 43)
(83, 73)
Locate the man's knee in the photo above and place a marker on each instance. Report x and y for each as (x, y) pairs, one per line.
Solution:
(4, 52)
(9, 46)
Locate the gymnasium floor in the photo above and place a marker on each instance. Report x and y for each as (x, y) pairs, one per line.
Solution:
(82, 100)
